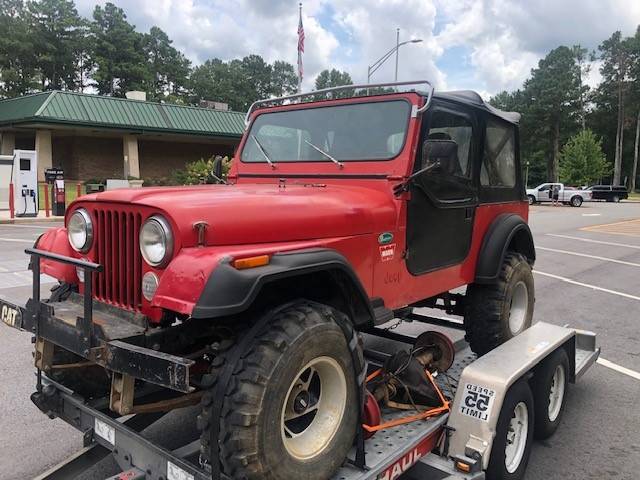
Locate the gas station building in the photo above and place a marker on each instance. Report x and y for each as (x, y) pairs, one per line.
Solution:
(94, 137)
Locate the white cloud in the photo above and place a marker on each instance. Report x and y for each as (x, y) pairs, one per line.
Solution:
(502, 39)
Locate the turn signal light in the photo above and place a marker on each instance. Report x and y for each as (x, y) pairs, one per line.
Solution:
(251, 262)
(463, 467)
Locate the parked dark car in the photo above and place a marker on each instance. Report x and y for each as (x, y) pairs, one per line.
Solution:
(610, 193)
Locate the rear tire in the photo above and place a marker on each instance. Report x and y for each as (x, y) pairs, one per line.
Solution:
(576, 201)
(549, 385)
(501, 310)
(263, 434)
(514, 435)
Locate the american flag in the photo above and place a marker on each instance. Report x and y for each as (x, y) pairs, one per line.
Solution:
(300, 49)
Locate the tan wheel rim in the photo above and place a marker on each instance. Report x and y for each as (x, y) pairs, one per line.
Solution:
(313, 408)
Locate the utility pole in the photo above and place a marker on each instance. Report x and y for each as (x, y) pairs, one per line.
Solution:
(397, 50)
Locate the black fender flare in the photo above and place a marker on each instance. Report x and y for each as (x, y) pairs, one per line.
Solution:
(508, 231)
(230, 291)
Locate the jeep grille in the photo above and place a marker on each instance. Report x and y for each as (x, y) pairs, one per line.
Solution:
(117, 249)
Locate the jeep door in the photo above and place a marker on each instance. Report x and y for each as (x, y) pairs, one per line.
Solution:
(443, 195)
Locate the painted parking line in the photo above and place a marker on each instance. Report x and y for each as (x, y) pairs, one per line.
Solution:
(17, 240)
(589, 240)
(595, 257)
(613, 366)
(586, 285)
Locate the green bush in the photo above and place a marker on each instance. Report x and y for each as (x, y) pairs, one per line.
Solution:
(199, 172)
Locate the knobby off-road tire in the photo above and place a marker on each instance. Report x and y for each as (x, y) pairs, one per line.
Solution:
(499, 311)
(252, 439)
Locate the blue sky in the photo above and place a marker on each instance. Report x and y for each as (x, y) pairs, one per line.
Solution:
(485, 45)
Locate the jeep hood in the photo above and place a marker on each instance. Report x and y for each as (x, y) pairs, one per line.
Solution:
(262, 213)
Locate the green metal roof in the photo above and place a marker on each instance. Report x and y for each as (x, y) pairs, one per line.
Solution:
(75, 109)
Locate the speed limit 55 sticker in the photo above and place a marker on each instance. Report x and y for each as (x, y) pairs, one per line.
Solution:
(477, 401)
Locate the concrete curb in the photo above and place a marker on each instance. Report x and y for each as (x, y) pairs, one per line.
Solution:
(19, 221)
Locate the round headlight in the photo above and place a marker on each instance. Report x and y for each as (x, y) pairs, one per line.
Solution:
(80, 230)
(156, 241)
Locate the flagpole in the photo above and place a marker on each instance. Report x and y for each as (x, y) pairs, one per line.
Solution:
(299, 51)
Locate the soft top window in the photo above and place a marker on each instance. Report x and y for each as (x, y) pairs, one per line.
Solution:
(363, 131)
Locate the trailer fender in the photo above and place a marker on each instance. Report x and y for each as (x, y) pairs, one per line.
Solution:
(229, 290)
(508, 231)
(484, 384)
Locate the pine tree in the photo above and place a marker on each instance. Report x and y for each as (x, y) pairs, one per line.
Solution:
(18, 75)
(120, 61)
(58, 37)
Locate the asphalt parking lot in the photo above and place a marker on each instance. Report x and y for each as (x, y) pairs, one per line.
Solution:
(587, 276)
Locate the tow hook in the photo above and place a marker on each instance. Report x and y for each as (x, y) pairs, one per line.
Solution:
(47, 400)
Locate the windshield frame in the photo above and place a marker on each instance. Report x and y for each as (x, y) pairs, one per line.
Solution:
(323, 104)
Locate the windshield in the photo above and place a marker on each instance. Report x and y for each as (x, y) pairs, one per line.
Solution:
(364, 131)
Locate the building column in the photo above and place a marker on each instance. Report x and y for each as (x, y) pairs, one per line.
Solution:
(8, 143)
(131, 160)
(44, 152)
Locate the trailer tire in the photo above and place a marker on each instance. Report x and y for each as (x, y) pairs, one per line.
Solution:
(514, 435)
(499, 311)
(549, 385)
(301, 349)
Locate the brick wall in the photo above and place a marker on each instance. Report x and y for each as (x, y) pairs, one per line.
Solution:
(160, 159)
(84, 158)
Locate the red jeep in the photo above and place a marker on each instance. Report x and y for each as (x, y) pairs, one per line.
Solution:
(338, 215)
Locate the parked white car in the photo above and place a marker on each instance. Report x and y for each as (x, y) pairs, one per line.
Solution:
(567, 195)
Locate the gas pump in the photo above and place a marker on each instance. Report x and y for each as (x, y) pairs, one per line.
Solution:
(55, 176)
(25, 179)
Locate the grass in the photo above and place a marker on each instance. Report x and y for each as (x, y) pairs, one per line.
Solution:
(634, 196)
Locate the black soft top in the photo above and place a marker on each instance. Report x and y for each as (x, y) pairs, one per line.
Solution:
(469, 97)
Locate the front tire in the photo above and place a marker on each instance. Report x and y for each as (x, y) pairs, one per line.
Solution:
(532, 199)
(290, 410)
(514, 435)
(501, 310)
(576, 201)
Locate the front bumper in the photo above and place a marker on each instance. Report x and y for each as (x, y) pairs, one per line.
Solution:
(94, 332)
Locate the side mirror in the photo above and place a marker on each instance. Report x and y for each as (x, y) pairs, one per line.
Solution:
(441, 157)
(217, 167)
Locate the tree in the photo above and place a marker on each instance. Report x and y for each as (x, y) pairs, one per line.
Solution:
(582, 161)
(332, 78)
(553, 96)
(615, 53)
(18, 74)
(117, 52)
(58, 37)
(241, 82)
(284, 80)
(168, 68)
(634, 44)
(583, 59)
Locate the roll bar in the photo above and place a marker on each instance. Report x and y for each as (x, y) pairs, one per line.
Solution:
(325, 91)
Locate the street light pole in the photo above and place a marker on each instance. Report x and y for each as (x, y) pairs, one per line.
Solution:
(397, 51)
(371, 69)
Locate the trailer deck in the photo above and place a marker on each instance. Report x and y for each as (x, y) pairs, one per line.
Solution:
(389, 453)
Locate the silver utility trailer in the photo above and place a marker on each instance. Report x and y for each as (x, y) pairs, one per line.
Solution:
(454, 446)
